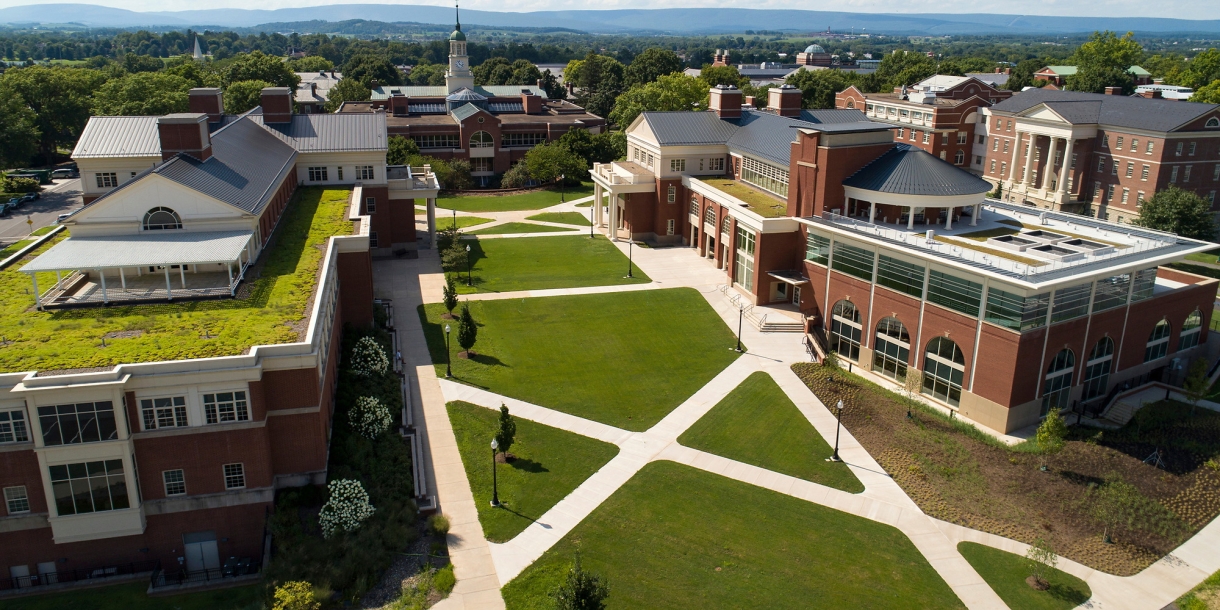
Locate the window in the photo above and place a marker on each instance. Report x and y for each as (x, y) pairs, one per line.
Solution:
(726, 224)
(853, 261)
(1144, 173)
(1073, 166)
(372, 239)
(944, 138)
(694, 206)
(1149, 150)
(669, 227)
(943, 154)
(1186, 173)
(1135, 144)
(902, 133)
(85, 422)
(959, 157)
(961, 137)
(709, 215)
(1097, 191)
(1130, 169)
(817, 248)
(677, 165)
(991, 168)
(1114, 168)
(995, 144)
(1190, 331)
(1105, 141)
(89, 487)
(1003, 167)
(1097, 369)
(481, 164)
(1005, 146)
(1144, 281)
(1119, 143)
(523, 139)
(175, 482)
(743, 271)
(1173, 174)
(163, 412)
(944, 368)
(845, 330)
(107, 180)
(671, 194)
(1057, 387)
(891, 349)
(978, 160)
(339, 172)
(1111, 292)
(370, 205)
(1071, 302)
(235, 476)
(437, 141)
(482, 139)
(317, 174)
(1212, 122)
(925, 137)
(1110, 193)
(1101, 164)
(649, 160)
(1014, 311)
(225, 407)
(900, 275)
(364, 172)
(765, 176)
(955, 293)
(1008, 127)
(1190, 150)
(1211, 197)
(1126, 194)
(161, 219)
(716, 164)
(16, 500)
(1177, 151)
(998, 123)
(1216, 172)
(12, 427)
(1139, 198)
(1158, 342)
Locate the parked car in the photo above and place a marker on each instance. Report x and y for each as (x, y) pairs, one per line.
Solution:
(28, 197)
(61, 218)
(64, 173)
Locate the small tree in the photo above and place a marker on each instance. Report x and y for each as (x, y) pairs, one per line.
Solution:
(1040, 559)
(295, 595)
(1115, 503)
(368, 358)
(450, 295)
(581, 590)
(831, 359)
(911, 386)
(1050, 434)
(347, 507)
(468, 331)
(508, 430)
(1195, 387)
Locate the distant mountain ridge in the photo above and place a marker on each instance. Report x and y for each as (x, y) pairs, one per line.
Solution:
(669, 20)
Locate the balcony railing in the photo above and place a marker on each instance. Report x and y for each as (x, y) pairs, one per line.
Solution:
(612, 175)
(92, 575)
(411, 177)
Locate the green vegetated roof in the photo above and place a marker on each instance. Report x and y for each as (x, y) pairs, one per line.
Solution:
(272, 308)
(763, 204)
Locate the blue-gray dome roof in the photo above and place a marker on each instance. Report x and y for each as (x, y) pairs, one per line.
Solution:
(465, 94)
(907, 170)
(813, 48)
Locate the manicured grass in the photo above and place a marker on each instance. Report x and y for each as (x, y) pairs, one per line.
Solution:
(550, 463)
(517, 227)
(1006, 574)
(676, 537)
(587, 204)
(567, 218)
(43, 230)
(14, 248)
(421, 211)
(446, 222)
(133, 596)
(625, 359)
(277, 302)
(763, 204)
(1204, 257)
(1203, 597)
(540, 263)
(531, 200)
(758, 424)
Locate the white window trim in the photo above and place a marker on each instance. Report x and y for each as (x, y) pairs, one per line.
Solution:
(225, 473)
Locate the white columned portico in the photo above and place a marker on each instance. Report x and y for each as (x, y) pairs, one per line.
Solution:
(1012, 163)
(597, 200)
(1062, 193)
(1050, 164)
(1029, 160)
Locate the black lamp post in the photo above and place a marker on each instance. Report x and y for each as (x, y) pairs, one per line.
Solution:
(741, 312)
(838, 425)
(592, 215)
(630, 243)
(469, 281)
(448, 358)
(455, 218)
(495, 491)
(561, 188)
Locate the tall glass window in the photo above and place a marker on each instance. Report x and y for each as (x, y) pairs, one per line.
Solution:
(89, 487)
(765, 176)
(892, 349)
(744, 264)
(900, 275)
(1097, 369)
(83, 422)
(1112, 292)
(1057, 387)
(1145, 281)
(852, 261)
(1014, 311)
(817, 248)
(955, 293)
(943, 370)
(1190, 331)
(845, 330)
(1071, 302)
(1158, 342)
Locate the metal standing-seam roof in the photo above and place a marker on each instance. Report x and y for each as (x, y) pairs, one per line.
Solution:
(1114, 110)
(906, 170)
(146, 249)
(385, 91)
(461, 113)
(682, 128)
(119, 136)
(833, 115)
(309, 133)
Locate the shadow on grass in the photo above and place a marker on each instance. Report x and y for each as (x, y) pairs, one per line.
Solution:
(1067, 594)
(528, 466)
(504, 507)
(488, 360)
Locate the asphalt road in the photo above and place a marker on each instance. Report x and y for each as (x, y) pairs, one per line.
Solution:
(59, 198)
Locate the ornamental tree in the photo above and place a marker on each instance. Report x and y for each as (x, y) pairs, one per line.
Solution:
(370, 417)
(581, 590)
(1178, 211)
(508, 430)
(546, 163)
(468, 331)
(368, 358)
(295, 595)
(1050, 435)
(347, 507)
(450, 294)
(1040, 559)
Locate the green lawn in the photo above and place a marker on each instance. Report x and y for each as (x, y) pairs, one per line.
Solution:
(278, 299)
(518, 227)
(133, 596)
(532, 200)
(43, 230)
(758, 424)
(540, 263)
(550, 463)
(1203, 597)
(567, 218)
(676, 537)
(625, 359)
(1006, 574)
(445, 222)
(1204, 257)
(14, 248)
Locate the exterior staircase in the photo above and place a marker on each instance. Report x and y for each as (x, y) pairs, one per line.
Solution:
(764, 322)
(1125, 406)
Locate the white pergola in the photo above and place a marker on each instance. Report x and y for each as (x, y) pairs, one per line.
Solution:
(904, 200)
(139, 253)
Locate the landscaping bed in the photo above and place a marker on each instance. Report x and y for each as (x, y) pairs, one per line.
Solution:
(959, 474)
(134, 596)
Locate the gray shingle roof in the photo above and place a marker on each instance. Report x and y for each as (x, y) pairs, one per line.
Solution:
(1114, 110)
(119, 136)
(907, 170)
(309, 133)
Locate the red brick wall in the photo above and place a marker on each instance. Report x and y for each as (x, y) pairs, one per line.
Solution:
(641, 212)
(21, 468)
(356, 287)
(201, 457)
(773, 252)
(299, 445)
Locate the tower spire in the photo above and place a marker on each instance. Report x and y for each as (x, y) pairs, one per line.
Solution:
(457, 17)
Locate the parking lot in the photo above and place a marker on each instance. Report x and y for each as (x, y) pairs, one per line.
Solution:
(59, 198)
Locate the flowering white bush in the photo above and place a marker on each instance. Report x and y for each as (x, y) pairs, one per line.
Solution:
(370, 417)
(346, 509)
(368, 358)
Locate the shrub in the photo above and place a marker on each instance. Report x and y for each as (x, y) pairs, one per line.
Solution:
(1040, 559)
(21, 185)
(454, 257)
(438, 524)
(295, 595)
(517, 176)
(581, 590)
(370, 417)
(467, 329)
(507, 431)
(346, 509)
(368, 358)
(1050, 435)
(444, 580)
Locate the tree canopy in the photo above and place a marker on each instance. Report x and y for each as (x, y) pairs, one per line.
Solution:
(1104, 61)
(723, 75)
(60, 98)
(367, 68)
(546, 163)
(1178, 211)
(257, 66)
(650, 65)
(1201, 71)
(143, 93)
(903, 68)
(1209, 94)
(18, 129)
(498, 71)
(310, 63)
(347, 90)
(244, 95)
(818, 87)
(599, 80)
(669, 92)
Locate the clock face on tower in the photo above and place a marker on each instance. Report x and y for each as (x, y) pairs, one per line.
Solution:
(461, 65)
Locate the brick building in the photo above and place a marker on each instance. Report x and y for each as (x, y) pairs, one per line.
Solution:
(937, 115)
(896, 260)
(1057, 75)
(1119, 150)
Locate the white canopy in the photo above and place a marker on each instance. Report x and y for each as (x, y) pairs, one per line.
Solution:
(147, 249)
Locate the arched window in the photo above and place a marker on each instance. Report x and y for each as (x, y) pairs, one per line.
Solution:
(959, 157)
(944, 368)
(1097, 369)
(845, 330)
(851, 103)
(1190, 331)
(1212, 122)
(1158, 342)
(161, 219)
(892, 349)
(1057, 387)
(481, 139)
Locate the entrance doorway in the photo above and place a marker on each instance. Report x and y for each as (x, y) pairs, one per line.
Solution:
(796, 295)
(694, 236)
(710, 252)
(201, 551)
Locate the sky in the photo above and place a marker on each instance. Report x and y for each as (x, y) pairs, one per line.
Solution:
(1182, 9)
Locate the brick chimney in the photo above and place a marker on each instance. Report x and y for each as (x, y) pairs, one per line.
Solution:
(277, 105)
(1114, 90)
(530, 103)
(185, 132)
(749, 101)
(725, 100)
(721, 58)
(399, 106)
(1153, 94)
(785, 100)
(209, 101)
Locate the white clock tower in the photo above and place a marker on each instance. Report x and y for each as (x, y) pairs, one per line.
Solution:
(459, 75)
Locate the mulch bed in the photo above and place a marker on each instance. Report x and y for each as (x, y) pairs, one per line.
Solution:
(957, 474)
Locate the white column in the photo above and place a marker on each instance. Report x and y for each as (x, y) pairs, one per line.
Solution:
(432, 221)
(102, 274)
(229, 268)
(1050, 162)
(1029, 159)
(1012, 163)
(872, 211)
(169, 293)
(1062, 188)
(123, 279)
(974, 218)
(911, 219)
(614, 214)
(948, 219)
(37, 300)
(182, 275)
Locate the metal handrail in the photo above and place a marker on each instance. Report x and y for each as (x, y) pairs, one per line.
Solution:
(77, 575)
